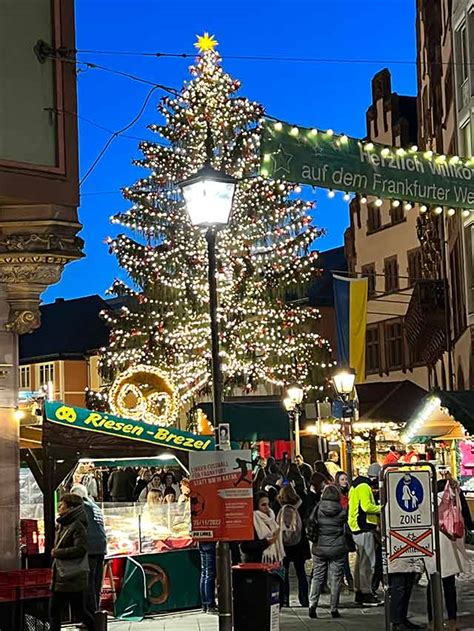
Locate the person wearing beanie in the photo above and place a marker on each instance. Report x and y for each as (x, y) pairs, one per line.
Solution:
(96, 546)
(363, 520)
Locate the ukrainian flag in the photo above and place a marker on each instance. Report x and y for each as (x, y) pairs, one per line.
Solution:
(350, 300)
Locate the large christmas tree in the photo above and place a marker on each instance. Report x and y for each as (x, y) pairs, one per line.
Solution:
(265, 256)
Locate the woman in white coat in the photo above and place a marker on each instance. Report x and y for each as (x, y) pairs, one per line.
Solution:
(453, 562)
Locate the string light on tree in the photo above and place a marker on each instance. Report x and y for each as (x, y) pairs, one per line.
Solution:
(264, 256)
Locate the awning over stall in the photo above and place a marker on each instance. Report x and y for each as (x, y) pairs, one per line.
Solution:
(443, 416)
(253, 420)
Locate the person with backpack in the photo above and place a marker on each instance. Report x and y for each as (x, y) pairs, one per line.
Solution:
(295, 543)
(96, 546)
(326, 530)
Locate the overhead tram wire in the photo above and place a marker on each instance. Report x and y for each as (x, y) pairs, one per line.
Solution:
(117, 133)
(270, 58)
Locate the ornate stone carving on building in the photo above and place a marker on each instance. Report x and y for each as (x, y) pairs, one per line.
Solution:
(427, 227)
(35, 245)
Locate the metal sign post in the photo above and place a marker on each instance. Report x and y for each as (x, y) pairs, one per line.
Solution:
(410, 527)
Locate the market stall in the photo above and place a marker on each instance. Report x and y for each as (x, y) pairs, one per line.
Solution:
(444, 425)
(153, 564)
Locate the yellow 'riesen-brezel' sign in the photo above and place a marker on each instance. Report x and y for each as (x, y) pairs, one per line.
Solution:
(88, 420)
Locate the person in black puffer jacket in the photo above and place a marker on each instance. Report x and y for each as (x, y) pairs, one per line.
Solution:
(329, 549)
(70, 586)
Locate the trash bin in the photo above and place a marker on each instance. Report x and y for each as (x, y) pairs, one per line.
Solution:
(256, 594)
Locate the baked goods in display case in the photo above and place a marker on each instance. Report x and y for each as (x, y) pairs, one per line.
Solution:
(139, 528)
(122, 528)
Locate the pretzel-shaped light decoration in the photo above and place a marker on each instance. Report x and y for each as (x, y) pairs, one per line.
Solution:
(145, 393)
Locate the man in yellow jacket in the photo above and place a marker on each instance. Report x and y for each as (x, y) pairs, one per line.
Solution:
(363, 519)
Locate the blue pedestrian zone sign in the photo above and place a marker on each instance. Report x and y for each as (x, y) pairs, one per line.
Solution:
(409, 513)
(409, 493)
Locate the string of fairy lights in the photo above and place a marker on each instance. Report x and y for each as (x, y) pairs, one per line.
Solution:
(442, 164)
(264, 254)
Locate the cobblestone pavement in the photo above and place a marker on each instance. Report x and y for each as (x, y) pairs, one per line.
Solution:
(296, 618)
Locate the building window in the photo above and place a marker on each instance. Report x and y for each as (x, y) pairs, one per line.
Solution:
(397, 213)
(25, 378)
(415, 266)
(462, 53)
(391, 274)
(374, 220)
(368, 271)
(372, 349)
(394, 342)
(46, 374)
(457, 293)
(466, 140)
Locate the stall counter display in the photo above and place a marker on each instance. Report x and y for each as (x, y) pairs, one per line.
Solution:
(138, 528)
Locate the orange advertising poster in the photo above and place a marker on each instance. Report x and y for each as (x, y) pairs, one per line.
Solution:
(221, 495)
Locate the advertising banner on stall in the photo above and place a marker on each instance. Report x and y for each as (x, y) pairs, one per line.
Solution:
(221, 495)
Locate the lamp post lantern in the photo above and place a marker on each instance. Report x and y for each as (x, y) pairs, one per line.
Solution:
(292, 404)
(343, 382)
(208, 196)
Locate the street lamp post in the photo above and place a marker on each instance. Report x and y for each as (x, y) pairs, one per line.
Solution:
(292, 404)
(343, 382)
(208, 196)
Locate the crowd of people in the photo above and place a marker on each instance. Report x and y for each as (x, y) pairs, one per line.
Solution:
(301, 512)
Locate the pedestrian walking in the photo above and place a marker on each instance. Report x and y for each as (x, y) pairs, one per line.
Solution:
(207, 582)
(332, 464)
(318, 482)
(267, 544)
(452, 546)
(290, 520)
(393, 456)
(363, 520)
(342, 483)
(306, 470)
(320, 467)
(295, 478)
(96, 547)
(70, 564)
(328, 549)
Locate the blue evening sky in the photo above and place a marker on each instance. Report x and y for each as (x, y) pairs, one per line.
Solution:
(324, 95)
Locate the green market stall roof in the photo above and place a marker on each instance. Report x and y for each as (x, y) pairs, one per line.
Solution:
(253, 420)
(443, 415)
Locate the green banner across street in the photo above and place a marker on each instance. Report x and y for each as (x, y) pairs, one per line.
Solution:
(105, 423)
(322, 158)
